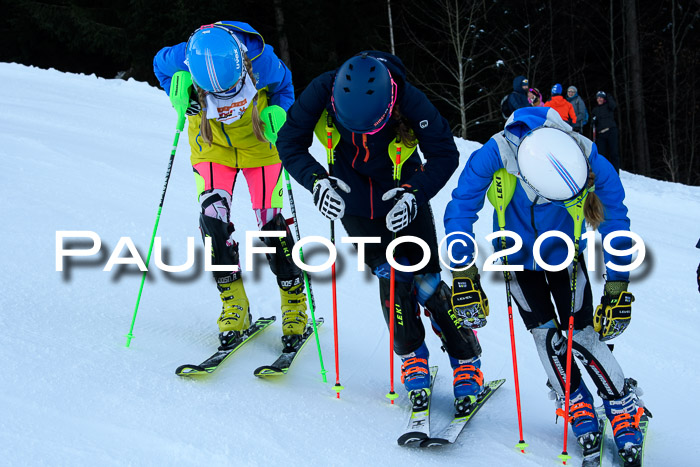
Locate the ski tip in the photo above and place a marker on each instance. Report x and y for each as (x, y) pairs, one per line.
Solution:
(190, 370)
(433, 442)
(264, 371)
(411, 439)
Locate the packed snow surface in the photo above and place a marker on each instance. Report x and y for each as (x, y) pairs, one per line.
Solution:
(81, 153)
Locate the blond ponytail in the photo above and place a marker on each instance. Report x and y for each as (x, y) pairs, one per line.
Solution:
(593, 209)
(257, 123)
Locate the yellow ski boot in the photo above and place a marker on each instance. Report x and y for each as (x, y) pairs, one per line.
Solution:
(235, 313)
(293, 310)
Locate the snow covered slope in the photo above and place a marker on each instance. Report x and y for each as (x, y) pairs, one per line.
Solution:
(82, 153)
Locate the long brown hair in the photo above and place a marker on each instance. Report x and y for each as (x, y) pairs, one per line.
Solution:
(205, 126)
(593, 209)
(404, 133)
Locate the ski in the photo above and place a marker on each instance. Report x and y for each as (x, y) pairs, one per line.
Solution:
(292, 346)
(213, 362)
(418, 425)
(594, 443)
(464, 414)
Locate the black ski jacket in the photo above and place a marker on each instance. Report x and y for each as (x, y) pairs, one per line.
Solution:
(362, 161)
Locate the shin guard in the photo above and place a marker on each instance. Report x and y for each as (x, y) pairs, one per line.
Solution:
(288, 274)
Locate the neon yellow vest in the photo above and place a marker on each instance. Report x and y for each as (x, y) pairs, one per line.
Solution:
(234, 144)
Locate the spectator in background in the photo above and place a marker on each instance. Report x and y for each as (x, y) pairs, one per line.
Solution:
(534, 97)
(561, 105)
(605, 132)
(516, 99)
(579, 108)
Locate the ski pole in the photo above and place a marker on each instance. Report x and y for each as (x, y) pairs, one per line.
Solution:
(397, 161)
(500, 193)
(392, 298)
(307, 279)
(274, 117)
(331, 162)
(576, 212)
(180, 99)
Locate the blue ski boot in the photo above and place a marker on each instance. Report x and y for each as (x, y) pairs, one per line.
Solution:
(624, 415)
(468, 383)
(582, 413)
(584, 422)
(415, 373)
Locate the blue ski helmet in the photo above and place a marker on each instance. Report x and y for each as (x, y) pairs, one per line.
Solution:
(364, 94)
(215, 58)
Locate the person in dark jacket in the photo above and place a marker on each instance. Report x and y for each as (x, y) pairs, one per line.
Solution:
(518, 98)
(579, 108)
(605, 132)
(371, 107)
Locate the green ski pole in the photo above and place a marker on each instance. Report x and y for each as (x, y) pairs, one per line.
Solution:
(273, 118)
(180, 98)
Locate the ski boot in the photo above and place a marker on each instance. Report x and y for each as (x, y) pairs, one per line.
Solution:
(584, 421)
(468, 383)
(293, 310)
(625, 414)
(415, 376)
(235, 315)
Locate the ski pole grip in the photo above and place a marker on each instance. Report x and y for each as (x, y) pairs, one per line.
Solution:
(273, 117)
(180, 85)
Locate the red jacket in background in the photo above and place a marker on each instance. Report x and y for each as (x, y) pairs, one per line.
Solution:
(563, 107)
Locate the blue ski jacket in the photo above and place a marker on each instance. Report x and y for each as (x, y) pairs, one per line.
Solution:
(362, 161)
(270, 72)
(527, 214)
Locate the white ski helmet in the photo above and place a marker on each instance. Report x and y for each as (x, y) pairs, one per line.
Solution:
(553, 164)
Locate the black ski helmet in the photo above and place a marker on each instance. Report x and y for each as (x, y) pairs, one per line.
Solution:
(363, 94)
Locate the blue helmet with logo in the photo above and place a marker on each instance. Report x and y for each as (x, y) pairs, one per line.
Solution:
(364, 94)
(215, 58)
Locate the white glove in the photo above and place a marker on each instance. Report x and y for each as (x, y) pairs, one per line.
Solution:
(403, 212)
(327, 200)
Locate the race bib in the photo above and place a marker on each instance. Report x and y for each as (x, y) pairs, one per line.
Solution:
(229, 109)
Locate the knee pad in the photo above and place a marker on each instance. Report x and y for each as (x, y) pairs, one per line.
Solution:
(288, 274)
(223, 249)
(459, 341)
(216, 204)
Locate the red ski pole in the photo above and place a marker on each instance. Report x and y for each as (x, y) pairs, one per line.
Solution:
(500, 193)
(331, 161)
(576, 212)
